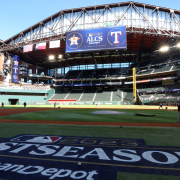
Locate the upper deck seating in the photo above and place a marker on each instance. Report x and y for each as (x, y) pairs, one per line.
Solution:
(144, 72)
(159, 60)
(100, 73)
(163, 69)
(144, 64)
(176, 67)
(146, 89)
(86, 74)
(72, 74)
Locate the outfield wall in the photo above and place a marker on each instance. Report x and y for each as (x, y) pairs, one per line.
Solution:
(96, 102)
(22, 98)
(23, 91)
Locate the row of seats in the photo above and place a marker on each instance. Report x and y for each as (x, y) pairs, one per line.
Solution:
(99, 73)
(99, 95)
(114, 73)
(160, 88)
(160, 97)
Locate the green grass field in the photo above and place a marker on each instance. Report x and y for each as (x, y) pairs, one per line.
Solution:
(161, 116)
(152, 136)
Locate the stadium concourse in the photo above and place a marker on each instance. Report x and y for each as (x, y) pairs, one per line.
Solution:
(120, 59)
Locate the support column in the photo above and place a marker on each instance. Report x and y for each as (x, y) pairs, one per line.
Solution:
(1, 65)
(33, 67)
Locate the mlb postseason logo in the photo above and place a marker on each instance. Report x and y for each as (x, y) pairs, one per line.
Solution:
(27, 157)
(15, 69)
(37, 139)
(96, 39)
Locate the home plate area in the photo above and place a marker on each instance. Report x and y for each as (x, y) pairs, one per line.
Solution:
(86, 158)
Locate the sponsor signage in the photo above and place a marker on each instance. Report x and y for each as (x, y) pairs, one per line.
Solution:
(57, 157)
(54, 44)
(96, 39)
(151, 80)
(15, 69)
(81, 85)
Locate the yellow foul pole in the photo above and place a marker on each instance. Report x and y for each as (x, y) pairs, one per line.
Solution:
(134, 83)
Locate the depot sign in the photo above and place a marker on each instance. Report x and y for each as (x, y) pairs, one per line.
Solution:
(57, 157)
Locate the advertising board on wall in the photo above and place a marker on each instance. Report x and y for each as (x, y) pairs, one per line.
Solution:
(15, 69)
(110, 38)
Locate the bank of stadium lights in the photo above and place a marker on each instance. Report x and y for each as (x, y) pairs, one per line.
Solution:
(178, 45)
(60, 56)
(51, 57)
(164, 48)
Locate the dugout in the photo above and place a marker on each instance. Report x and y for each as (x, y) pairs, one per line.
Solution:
(13, 101)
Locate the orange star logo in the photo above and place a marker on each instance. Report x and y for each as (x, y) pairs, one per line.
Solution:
(74, 40)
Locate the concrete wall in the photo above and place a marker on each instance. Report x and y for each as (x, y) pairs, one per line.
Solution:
(22, 98)
(23, 91)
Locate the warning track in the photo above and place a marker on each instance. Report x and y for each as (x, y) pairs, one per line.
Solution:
(6, 112)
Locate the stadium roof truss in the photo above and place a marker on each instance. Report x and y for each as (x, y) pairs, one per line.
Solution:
(141, 20)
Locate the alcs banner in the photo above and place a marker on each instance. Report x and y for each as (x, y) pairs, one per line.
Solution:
(96, 39)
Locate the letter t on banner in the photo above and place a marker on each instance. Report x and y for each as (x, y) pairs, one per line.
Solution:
(15, 69)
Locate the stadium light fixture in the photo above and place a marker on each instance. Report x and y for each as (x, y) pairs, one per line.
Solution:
(178, 45)
(60, 56)
(51, 57)
(165, 48)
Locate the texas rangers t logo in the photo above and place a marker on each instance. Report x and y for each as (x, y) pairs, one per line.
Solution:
(117, 37)
(116, 34)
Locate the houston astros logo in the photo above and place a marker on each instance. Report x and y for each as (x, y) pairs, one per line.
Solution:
(16, 63)
(116, 37)
(74, 40)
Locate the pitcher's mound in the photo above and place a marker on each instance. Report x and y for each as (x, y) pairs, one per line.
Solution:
(107, 112)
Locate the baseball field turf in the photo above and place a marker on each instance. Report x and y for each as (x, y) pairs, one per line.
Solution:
(163, 140)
